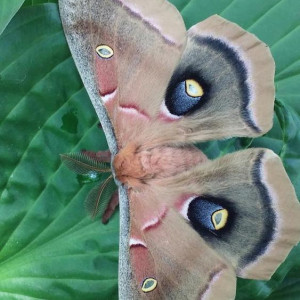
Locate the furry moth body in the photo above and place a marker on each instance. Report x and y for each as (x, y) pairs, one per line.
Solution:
(189, 225)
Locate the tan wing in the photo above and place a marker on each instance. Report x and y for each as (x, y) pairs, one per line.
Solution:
(170, 259)
(243, 205)
(222, 87)
(126, 51)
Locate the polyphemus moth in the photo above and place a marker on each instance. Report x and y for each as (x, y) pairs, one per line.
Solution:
(189, 225)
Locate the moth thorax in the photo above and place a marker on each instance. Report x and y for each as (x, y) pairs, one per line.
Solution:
(134, 167)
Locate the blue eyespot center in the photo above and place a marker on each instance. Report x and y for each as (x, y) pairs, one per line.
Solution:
(185, 95)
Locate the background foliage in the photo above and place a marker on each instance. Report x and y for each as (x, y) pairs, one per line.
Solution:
(49, 247)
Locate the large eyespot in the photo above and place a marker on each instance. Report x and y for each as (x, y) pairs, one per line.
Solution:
(148, 285)
(185, 95)
(204, 212)
(105, 51)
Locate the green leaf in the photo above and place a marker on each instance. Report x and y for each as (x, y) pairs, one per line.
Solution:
(8, 9)
(50, 248)
(36, 2)
(290, 286)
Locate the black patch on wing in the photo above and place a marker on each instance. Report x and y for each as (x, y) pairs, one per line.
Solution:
(270, 218)
(178, 102)
(194, 67)
(200, 213)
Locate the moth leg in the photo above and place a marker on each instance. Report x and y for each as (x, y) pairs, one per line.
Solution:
(111, 206)
(102, 156)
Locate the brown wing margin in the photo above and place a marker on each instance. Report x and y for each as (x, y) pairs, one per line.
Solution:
(287, 209)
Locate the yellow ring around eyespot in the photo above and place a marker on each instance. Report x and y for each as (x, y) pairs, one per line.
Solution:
(105, 51)
(151, 287)
(193, 88)
(223, 221)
